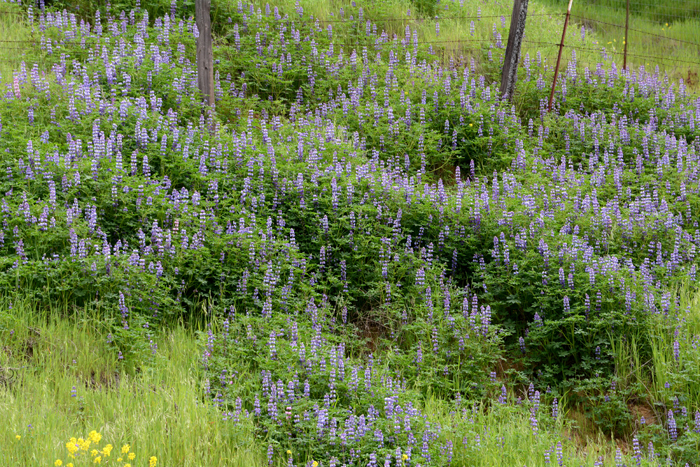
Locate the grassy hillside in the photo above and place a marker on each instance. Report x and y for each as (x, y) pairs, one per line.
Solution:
(671, 11)
(359, 256)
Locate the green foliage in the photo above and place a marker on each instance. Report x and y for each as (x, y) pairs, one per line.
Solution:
(426, 8)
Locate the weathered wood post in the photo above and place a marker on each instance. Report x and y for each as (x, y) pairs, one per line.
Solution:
(205, 54)
(515, 39)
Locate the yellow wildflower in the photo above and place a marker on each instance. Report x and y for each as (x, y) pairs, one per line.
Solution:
(84, 444)
(289, 453)
(315, 464)
(125, 449)
(152, 461)
(119, 459)
(70, 464)
(404, 457)
(98, 460)
(72, 446)
(131, 456)
(58, 463)
(18, 437)
(95, 436)
(107, 450)
(127, 465)
(94, 452)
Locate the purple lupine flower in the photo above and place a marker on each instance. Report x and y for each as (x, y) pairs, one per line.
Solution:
(485, 319)
(560, 454)
(637, 452)
(420, 277)
(272, 345)
(538, 320)
(676, 350)
(256, 406)
(122, 308)
(503, 398)
(672, 429)
(618, 458)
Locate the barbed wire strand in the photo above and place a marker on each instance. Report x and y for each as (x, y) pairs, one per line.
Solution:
(615, 52)
(412, 19)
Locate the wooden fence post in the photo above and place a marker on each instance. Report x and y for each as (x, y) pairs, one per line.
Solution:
(205, 54)
(515, 39)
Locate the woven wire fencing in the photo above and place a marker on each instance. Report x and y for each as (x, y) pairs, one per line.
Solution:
(664, 34)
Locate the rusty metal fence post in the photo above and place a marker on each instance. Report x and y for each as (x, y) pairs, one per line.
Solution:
(561, 47)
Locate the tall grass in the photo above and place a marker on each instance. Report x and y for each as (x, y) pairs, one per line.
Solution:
(67, 382)
(676, 357)
(503, 435)
(14, 28)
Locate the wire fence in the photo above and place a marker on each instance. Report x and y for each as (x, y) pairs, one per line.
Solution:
(638, 44)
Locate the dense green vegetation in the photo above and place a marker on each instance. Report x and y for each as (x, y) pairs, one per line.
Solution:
(359, 256)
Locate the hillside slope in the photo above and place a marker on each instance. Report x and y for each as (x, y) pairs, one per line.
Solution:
(394, 265)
